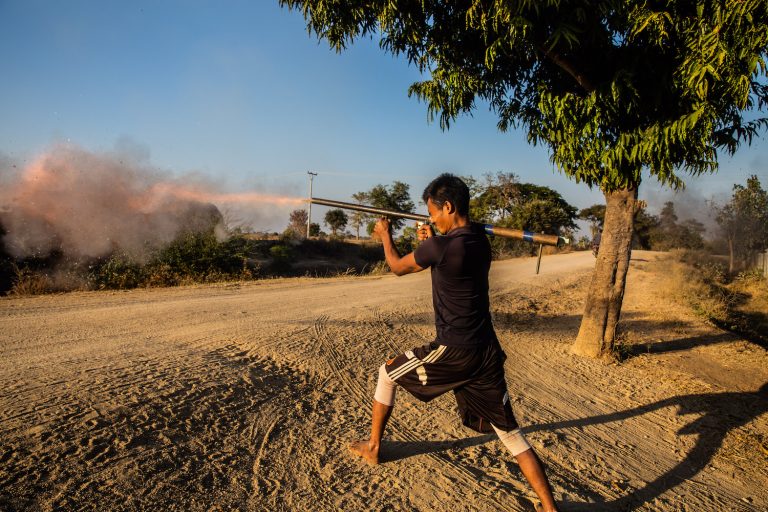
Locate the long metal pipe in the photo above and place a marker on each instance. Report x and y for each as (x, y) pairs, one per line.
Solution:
(518, 234)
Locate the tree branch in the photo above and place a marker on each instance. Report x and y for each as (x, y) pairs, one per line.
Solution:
(568, 68)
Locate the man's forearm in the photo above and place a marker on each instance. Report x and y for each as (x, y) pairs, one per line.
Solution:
(390, 251)
(399, 265)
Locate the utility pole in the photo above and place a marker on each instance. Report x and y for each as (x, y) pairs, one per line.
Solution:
(309, 213)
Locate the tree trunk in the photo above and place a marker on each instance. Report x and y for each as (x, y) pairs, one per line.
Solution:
(606, 292)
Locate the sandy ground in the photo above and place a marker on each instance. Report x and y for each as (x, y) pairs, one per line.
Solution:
(244, 396)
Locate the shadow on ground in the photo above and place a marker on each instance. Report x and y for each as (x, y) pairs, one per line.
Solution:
(719, 414)
(397, 450)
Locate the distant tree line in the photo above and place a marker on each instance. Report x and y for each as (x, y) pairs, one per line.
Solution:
(742, 226)
(499, 199)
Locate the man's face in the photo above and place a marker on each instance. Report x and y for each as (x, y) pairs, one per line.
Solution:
(440, 216)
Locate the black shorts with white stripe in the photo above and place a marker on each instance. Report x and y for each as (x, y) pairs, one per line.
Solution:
(474, 374)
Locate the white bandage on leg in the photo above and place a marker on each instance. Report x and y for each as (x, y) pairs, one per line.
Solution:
(385, 388)
(514, 440)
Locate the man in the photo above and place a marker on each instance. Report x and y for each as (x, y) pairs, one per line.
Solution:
(465, 357)
(596, 242)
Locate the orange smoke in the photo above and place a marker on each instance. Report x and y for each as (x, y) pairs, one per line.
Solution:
(166, 189)
(88, 204)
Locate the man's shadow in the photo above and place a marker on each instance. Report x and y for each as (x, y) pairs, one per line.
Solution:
(720, 413)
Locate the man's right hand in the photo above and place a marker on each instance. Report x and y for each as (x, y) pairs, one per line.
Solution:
(381, 229)
(424, 232)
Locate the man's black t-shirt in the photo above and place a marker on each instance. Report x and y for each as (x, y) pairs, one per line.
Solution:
(460, 261)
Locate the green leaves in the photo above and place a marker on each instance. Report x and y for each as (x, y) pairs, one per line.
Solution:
(336, 220)
(611, 87)
(393, 197)
(744, 219)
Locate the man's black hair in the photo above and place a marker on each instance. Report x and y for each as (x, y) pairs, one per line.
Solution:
(448, 187)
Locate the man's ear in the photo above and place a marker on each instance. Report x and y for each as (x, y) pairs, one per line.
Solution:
(448, 207)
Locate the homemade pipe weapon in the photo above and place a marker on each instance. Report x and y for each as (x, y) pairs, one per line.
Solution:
(519, 234)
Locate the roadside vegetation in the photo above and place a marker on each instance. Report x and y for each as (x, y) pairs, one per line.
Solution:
(214, 253)
(725, 289)
(734, 302)
(191, 258)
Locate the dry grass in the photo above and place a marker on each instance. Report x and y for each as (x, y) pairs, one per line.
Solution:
(28, 282)
(701, 282)
(379, 268)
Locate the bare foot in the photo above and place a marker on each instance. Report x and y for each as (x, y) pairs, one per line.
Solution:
(362, 449)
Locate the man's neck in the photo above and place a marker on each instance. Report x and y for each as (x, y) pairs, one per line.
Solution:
(458, 222)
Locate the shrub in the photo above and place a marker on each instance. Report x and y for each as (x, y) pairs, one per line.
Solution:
(740, 305)
(30, 282)
(282, 257)
(116, 272)
(379, 268)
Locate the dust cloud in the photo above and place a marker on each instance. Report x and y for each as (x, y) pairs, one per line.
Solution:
(87, 204)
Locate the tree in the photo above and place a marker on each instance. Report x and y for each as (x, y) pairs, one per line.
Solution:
(542, 210)
(611, 87)
(669, 234)
(356, 218)
(662, 238)
(336, 220)
(298, 223)
(506, 202)
(503, 201)
(744, 222)
(595, 215)
(645, 226)
(314, 229)
(393, 197)
(691, 234)
(494, 201)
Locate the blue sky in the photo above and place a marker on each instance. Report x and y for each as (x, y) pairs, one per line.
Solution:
(239, 92)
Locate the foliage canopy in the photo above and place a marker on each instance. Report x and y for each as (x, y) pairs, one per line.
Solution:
(611, 87)
(336, 219)
(297, 222)
(393, 197)
(744, 219)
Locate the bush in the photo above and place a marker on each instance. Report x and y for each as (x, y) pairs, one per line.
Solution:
(379, 268)
(116, 272)
(740, 305)
(30, 282)
(282, 257)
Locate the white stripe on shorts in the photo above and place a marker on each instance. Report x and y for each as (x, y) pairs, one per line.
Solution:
(422, 375)
(408, 366)
(415, 362)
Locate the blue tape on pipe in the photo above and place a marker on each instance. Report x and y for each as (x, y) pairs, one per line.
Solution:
(528, 236)
(489, 229)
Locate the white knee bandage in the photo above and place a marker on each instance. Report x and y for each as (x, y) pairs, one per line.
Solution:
(514, 440)
(385, 388)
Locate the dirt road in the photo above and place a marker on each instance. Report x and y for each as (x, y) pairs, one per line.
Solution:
(244, 396)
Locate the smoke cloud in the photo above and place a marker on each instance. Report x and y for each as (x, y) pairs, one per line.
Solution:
(89, 205)
(690, 203)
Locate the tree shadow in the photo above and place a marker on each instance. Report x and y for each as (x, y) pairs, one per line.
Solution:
(720, 413)
(662, 347)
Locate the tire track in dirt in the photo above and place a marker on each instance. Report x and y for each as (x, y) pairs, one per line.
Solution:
(180, 426)
(208, 383)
